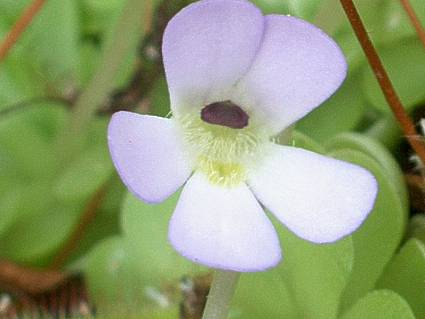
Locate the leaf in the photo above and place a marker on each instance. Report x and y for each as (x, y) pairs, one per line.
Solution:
(301, 140)
(291, 289)
(342, 112)
(19, 138)
(305, 9)
(116, 283)
(9, 208)
(295, 280)
(379, 153)
(405, 63)
(416, 228)
(377, 239)
(84, 176)
(160, 99)
(272, 6)
(146, 231)
(52, 41)
(97, 14)
(113, 279)
(35, 239)
(316, 274)
(106, 222)
(380, 304)
(263, 295)
(406, 276)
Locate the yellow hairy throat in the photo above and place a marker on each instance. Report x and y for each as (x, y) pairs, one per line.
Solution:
(223, 154)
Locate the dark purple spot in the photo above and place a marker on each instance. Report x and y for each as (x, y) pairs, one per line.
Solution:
(226, 114)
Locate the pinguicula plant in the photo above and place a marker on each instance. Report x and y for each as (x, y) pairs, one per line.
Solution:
(237, 80)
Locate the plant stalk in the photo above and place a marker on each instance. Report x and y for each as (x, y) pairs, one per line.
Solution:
(414, 20)
(130, 22)
(221, 293)
(20, 26)
(393, 100)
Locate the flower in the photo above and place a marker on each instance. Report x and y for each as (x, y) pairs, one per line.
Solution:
(237, 79)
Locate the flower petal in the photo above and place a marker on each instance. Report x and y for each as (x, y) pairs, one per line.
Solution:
(319, 198)
(223, 228)
(147, 155)
(297, 68)
(207, 47)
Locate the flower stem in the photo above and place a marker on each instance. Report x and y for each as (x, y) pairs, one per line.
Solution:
(130, 23)
(393, 100)
(221, 293)
(20, 26)
(414, 19)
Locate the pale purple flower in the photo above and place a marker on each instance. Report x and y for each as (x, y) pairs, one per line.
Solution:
(236, 79)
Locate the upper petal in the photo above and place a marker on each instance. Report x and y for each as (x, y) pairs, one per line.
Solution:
(297, 68)
(147, 155)
(319, 198)
(207, 47)
(223, 228)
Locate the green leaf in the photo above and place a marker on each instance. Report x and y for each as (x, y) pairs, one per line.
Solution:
(342, 112)
(405, 63)
(406, 276)
(416, 228)
(380, 304)
(19, 137)
(301, 140)
(316, 274)
(160, 99)
(84, 176)
(377, 239)
(106, 222)
(117, 285)
(291, 289)
(272, 6)
(146, 231)
(113, 279)
(89, 58)
(52, 41)
(9, 208)
(19, 81)
(35, 239)
(388, 20)
(305, 9)
(97, 14)
(263, 295)
(379, 153)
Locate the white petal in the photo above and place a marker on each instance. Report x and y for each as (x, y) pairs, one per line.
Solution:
(297, 68)
(147, 154)
(223, 228)
(319, 198)
(207, 47)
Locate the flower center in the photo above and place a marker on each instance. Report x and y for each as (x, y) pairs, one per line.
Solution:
(222, 143)
(226, 114)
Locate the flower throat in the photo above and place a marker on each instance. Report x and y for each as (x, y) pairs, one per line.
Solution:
(226, 114)
(223, 141)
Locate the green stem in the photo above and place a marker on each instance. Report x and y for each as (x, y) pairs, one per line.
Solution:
(221, 293)
(127, 33)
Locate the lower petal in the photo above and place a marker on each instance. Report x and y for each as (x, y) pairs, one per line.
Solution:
(147, 155)
(319, 198)
(223, 228)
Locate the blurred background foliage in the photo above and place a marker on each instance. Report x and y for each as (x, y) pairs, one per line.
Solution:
(53, 171)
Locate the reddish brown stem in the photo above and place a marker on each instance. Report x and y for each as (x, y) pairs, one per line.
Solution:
(87, 217)
(390, 94)
(20, 26)
(414, 20)
(23, 279)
